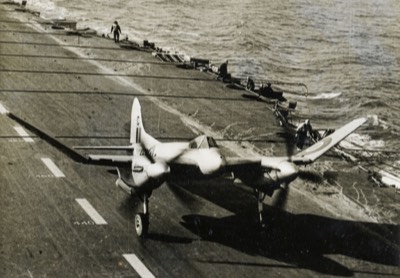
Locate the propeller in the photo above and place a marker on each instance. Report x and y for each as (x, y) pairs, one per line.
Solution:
(310, 176)
(289, 143)
(184, 198)
(280, 196)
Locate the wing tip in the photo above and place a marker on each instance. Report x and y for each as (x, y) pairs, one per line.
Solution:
(136, 102)
(361, 120)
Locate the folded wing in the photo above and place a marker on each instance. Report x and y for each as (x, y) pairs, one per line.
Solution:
(312, 153)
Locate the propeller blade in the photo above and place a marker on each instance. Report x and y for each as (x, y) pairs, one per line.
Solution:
(131, 203)
(290, 141)
(147, 154)
(280, 196)
(185, 198)
(310, 176)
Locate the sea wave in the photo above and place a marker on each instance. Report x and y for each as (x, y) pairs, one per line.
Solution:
(326, 96)
(374, 104)
(356, 140)
(48, 9)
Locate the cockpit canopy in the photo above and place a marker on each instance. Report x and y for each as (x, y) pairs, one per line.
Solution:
(203, 142)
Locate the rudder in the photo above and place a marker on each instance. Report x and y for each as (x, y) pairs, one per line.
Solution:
(136, 123)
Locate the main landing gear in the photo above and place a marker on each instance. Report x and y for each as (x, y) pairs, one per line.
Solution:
(142, 219)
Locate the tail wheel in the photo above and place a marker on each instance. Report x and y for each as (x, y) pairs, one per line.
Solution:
(141, 224)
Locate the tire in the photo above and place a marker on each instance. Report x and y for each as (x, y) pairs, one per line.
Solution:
(141, 224)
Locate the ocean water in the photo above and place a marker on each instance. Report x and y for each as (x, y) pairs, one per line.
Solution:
(346, 52)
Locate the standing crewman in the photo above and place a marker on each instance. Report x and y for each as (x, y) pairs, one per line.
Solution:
(250, 84)
(223, 71)
(116, 30)
(303, 132)
(269, 90)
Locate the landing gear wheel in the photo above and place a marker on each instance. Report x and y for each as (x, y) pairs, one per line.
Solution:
(141, 224)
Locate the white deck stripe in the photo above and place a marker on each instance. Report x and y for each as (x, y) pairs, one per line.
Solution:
(23, 134)
(53, 168)
(3, 110)
(139, 267)
(89, 209)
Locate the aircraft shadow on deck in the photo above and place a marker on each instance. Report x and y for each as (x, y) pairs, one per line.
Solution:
(302, 240)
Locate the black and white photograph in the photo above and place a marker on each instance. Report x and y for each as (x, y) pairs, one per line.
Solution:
(183, 138)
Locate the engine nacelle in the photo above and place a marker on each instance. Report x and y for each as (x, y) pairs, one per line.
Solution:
(285, 172)
(144, 176)
(276, 173)
(157, 170)
(209, 161)
(149, 176)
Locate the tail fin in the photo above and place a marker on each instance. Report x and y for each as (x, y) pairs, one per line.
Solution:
(136, 122)
(138, 134)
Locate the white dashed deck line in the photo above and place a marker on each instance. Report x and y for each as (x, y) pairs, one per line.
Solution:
(139, 267)
(3, 110)
(23, 134)
(90, 210)
(53, 168)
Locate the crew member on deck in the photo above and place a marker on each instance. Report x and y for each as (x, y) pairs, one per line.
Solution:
(223, 71)
(116, 30)
(250, 84)
(304, 131)
(269, 90)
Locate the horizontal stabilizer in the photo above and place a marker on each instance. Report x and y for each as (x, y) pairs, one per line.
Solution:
(112, 148)
(312, 153)
(111, 158)
(106, 160)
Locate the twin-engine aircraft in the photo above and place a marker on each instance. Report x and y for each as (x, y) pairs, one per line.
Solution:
(151, 163)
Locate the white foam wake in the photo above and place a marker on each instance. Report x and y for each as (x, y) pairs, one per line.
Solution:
(356, 140)
(48, 9)
(326, 96)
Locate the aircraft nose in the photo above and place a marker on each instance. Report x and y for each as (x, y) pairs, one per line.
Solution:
(211, 163)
